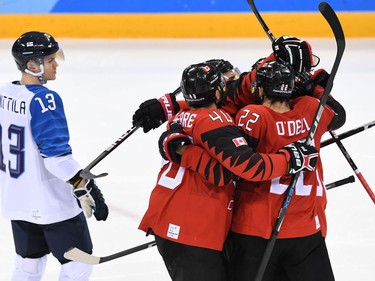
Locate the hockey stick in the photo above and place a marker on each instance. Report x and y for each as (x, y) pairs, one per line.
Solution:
(76, 254)
(348, 133)
(340, 182)
(353, 166)
(331, 17)
(86, 173)
(261, 21)
(336, 140)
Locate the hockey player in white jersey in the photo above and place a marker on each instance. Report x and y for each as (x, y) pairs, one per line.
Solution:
(42, 193)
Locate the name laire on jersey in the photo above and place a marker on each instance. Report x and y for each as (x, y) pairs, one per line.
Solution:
(11, 104)
(292, 127)
(187, 119)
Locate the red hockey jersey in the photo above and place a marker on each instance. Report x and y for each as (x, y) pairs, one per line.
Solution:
(188, 208)
(258, 203)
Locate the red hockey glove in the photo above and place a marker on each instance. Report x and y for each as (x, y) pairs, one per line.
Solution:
(154, 112)
(170, 140)
(320, 78)
(303, 84)
(301, 156)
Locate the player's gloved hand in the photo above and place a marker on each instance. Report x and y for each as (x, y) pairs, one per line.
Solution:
(154, 112)
(303, 84)
(101, 209)
(320, 77)
(85, 200)
(221, 65)
(296, 52)
(170, 140)
(301, 156)
(229, 72)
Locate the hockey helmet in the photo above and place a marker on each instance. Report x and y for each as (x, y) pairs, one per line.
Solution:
(200, 82)
(276, 79)
(34, 45)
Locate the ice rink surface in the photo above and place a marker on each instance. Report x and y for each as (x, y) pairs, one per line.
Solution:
(102, 82)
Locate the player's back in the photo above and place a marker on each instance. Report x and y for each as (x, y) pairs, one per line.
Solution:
(184, 206)
(258, 204)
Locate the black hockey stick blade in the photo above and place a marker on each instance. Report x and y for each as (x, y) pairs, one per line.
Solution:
(348, 133)
(332, 19)
(340, 182)
(260, 19)
(78, 255)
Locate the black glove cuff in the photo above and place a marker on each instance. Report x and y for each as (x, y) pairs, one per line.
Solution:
(76, 179)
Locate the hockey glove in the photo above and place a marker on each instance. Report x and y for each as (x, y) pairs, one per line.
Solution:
(84, 198)
(320, 77)
(301, 156)
(229, 72)
(154, 112)
(170, 140)
(101, 209)
(296, 52)
(221, 65)
(303, 84)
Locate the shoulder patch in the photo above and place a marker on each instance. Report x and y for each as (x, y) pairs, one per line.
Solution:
(239, 141)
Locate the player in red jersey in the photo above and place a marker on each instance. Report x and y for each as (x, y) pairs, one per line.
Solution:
(154, 112)
(300, 250)
(298, 53)
(190, 216)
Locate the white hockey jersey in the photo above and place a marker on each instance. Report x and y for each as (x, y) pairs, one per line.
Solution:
(35, 156)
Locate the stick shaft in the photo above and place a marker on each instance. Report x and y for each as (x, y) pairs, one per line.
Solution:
(349, 133)
(353, 166)
(127, 252)
(86, 171)
(260, 19)
(340, 182)
(78, 255)
(335, 25)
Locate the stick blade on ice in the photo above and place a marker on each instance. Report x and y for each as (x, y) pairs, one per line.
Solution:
(75, 254)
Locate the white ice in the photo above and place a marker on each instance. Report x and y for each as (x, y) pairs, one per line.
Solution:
(102, 83)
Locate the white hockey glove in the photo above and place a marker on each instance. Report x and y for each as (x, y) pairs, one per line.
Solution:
(85, 199)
